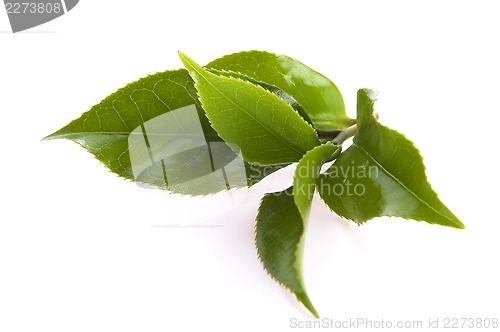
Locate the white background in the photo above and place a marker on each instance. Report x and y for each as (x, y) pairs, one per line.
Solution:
(83, 250)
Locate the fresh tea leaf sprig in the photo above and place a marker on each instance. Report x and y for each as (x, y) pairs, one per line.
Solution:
(229, 124)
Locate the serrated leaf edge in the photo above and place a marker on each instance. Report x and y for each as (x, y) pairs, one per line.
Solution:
(301, 298)
(184, 56)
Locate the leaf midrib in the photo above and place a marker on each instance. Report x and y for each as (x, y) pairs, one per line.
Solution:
(261, 123)
(402, 184)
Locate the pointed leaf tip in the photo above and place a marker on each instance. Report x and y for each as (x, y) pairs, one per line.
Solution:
(47, 138)
(131, 139)
(304, 299)
(390, 178)
(279, 238)
(193, 68)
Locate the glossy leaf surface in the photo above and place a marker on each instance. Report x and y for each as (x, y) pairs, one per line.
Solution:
(320, 98)
(154, 131)
(306, 176)
(279, 236)
(271, 88)
(242, 117)
(381, 174)
(266, 129)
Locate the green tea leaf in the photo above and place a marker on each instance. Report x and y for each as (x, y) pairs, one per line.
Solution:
(306, 176)
(279, 236)
(266, 129)
(320, 98)
(154, 131)
(381, 174)
(277, 91)
(241, 118)
(281, 223)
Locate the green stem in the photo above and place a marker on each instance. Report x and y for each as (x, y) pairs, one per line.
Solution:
(336, 137)
(336, 153)
(328, 134)
(345, 134)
